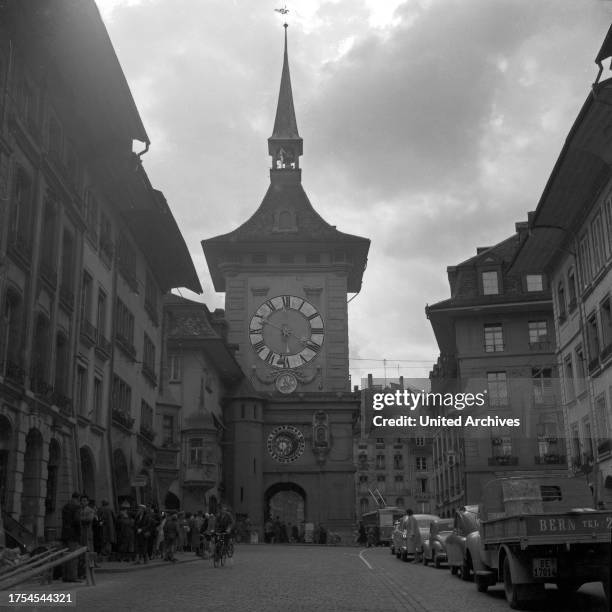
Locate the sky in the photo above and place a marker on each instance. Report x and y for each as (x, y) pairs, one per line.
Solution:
(429, 126)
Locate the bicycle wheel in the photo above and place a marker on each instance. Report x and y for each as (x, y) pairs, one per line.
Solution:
(230, 549)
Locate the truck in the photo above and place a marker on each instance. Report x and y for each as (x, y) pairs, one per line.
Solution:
(535, 530)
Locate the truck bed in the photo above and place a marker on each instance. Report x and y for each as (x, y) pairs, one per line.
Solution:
(575, 526)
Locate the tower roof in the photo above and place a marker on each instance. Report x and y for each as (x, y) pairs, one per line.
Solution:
(285, 124)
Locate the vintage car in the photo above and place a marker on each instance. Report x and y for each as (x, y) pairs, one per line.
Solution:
(464, 523)
(396, 539)
(434, 547)
(423, 521)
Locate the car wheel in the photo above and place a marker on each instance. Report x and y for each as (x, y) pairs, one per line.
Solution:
(466, 569)
(436, 561)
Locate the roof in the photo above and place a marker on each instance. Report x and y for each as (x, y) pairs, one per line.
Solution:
(310, 230)
(285, 124)
(580, 173)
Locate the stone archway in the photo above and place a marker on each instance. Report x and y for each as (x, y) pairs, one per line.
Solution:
(32, 472)
(287, 501)
(6, 436)
(88, 472)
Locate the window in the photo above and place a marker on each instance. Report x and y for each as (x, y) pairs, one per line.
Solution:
(148, 359)
(542, 386)
(125, 327)
(570, 391)
(126, 261)
(363, 478)
(20, 223)
(561, 300)
(62, 358)
(259, 258)
(606, 327)
(580, 371)
(422, 485)
(381, 478)
(502, 446)
(593, 338)
(167, 429)
(196, 451)
(538, 332)
(48, 263)
(11, 334)
(419, 441)
(96, 412)
(146, 415)
(576, 445)
(608, 219)
(421, 463)
(86, 293)
(313, 258)
(571, 286)
(588, 439)
(497, 385)
(363, 505)
(493, 338)
(151, 298)
(106, 239)
(174, 370)
(490, 284)
(81, 390)
(597, 242)
(399, 478)
(534, 282)
(585, 260)
(122, 396)
(398, 462)
(380, 462)
(101, 314)
(601, 416)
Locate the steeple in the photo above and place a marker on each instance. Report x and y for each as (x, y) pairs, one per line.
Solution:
(285, 144)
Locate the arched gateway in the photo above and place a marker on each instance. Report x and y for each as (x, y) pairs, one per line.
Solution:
(287, 501)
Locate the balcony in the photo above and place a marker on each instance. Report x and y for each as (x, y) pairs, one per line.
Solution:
(103, 347)
(204, 475)
(88, 332)
(607, 352)
(550, 459)
(149, 374)
(63, 402)
(123, 418)
(66, 297)
(49, 274)
(14, 373)
(593, 365)
(126, 346)
(20, 250)
(503, 460)
(147, 432)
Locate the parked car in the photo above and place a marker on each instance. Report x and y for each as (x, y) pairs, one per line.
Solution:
(423, 521)
(396, 539)
(465, 522)
(434, 547)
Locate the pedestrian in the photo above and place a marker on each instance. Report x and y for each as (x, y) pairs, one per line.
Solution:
(363, 536)
(268, 531)
(107, 522)
(171, 534)
(196, 523)
(125, 535)
(413, 536)
(71, 535)
(154, 520)
(142, 530)
(87, 515)
(295, 534)
(159, 536)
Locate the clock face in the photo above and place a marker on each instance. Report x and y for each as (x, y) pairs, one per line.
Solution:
(286, 332)
(286, 443)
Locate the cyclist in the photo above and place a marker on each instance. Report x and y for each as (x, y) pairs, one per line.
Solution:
(224, 525)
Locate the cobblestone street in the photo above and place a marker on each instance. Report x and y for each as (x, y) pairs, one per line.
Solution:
(306, 578)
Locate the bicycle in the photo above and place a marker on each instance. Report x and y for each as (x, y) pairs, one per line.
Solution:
(220, 549)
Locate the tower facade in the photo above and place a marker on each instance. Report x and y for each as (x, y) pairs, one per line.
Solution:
(286, 274)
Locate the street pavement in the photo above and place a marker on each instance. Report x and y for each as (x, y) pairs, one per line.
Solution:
(302, 578)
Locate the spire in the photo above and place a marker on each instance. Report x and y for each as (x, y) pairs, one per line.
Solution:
(285, 144)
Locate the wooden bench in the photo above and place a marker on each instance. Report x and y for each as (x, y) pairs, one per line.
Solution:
(43, 563)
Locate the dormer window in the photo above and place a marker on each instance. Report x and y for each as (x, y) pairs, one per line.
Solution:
(490, 283)
(534, 282)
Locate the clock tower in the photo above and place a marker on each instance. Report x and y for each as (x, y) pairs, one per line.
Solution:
(286, 274)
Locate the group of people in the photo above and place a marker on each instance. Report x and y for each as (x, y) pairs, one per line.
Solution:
(135, 535)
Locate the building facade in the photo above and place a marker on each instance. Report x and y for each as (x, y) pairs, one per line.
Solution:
(571, 238)
(394, 464)
(496, 336)
(286, 274)
(87, 247)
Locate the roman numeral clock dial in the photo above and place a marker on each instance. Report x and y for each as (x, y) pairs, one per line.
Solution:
(286, 332)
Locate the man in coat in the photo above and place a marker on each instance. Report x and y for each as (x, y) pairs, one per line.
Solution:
(107, 520)
(71, 535)
(413, 535)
